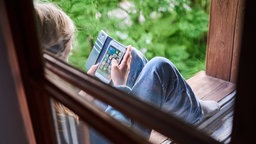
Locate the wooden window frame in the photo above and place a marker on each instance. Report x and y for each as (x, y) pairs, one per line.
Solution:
(19, 20)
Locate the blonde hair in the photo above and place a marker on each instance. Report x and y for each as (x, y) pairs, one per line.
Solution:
(56, 29)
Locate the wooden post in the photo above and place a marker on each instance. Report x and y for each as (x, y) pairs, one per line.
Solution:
(223, 39)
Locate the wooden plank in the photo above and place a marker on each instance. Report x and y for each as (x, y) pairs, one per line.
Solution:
(16, 125)
(207, 87)
(221, 38)
(237, 42)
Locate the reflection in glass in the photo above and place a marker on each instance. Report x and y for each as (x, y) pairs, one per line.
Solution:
(65, 123)
(72, 130)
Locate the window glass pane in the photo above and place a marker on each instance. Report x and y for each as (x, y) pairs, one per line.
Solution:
(72, 130)
(168, 46)
(212, 126)
(63, 116)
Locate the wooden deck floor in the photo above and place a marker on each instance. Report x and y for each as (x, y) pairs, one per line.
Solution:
(206, 87)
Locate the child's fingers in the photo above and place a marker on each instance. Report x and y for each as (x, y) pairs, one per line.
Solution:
(127, 55)
(114, 63)
(93, 69)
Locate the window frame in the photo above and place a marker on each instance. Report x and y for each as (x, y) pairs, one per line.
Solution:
(21, 23)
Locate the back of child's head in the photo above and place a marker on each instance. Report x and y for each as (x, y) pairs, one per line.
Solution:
(56, 29)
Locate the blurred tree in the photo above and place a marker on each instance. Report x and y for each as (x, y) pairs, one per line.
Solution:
(175, 29)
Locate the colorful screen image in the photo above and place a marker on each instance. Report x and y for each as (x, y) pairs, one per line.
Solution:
(105, 65)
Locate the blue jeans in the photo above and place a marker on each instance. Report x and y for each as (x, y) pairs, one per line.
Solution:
(158, 82)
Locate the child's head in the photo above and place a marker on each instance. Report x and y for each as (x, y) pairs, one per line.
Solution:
(56, 29)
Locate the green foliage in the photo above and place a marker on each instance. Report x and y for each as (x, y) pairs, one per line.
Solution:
(175, 29)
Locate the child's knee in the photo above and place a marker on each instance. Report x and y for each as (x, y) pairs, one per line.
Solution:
(161, 62)
(162, 65)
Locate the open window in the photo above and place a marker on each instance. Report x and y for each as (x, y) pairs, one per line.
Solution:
(19, 31)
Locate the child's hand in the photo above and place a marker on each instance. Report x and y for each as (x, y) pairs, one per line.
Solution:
(93, 69)
(119, 73)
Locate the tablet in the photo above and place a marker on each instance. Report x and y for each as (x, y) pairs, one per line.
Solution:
(98, 50)
(114, 50)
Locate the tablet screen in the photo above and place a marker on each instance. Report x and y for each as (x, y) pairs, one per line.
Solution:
(105, 65)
